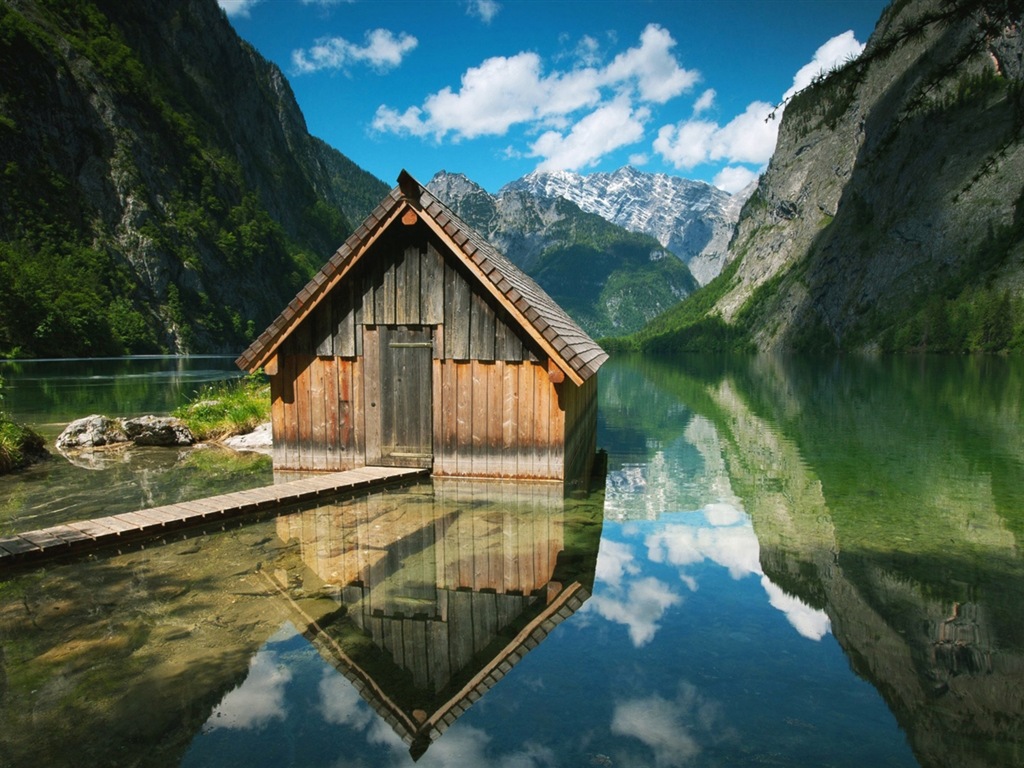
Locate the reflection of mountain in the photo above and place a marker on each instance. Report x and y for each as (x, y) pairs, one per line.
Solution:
(442, 593)
(875, 497)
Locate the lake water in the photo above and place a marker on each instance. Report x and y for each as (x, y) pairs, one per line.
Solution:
(49, 394)
(791, 563)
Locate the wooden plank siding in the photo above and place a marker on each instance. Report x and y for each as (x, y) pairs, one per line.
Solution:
(499, 419)
(316, 404)
(495, 411)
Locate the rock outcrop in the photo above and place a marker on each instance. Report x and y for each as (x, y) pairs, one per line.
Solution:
(99, 431)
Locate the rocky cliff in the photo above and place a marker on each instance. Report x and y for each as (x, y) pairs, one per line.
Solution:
(161, 192)
(891, 215)
(610, 280)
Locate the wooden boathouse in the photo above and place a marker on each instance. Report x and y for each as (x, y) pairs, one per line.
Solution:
(420, 345)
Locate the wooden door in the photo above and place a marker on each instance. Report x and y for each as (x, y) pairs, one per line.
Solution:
(406, 391)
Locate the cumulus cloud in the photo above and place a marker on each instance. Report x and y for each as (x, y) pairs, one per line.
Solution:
(602, 131)
(340, 703)
(835, 52)
(751, 136)
(580, 113)
(651, 68)
(705, 101)
(748, 138)
(382, 50)
(238, 8)
(485, 10)
(734, 178)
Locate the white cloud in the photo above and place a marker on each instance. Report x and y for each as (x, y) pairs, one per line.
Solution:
(615, 560)
(705, 101)
(240, 8)
(651, 68)
(340, 702)
(749, 137)
(485, 10)
(658, 724)
(602, 131)
(734, 178)
(580, 113)
(382, 50)
(326, 3)
(835, 52)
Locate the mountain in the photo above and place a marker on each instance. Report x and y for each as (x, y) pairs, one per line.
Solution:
(692, 219)
(611, 281)
(161, 191)
(891, 215)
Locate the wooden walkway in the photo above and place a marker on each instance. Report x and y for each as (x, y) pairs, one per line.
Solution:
(72, 537)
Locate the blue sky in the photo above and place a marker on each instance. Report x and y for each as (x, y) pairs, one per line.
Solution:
(496, 89)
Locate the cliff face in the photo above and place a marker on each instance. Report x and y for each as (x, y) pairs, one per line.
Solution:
(161, 189)
(891, 215)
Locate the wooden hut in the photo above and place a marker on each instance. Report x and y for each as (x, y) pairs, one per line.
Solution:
(418, 344)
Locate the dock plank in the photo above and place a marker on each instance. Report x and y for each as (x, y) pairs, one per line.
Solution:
(153, 520)
(16, 545)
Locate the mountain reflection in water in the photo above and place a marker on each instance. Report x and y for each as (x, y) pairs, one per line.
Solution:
(792, 563)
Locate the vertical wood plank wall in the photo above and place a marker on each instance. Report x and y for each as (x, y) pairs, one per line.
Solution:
(495, 411)
(497, 419)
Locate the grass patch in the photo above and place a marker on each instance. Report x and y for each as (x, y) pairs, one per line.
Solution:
(19, 445)
(228, 408)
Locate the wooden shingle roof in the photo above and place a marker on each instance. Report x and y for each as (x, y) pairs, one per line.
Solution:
(571, 349)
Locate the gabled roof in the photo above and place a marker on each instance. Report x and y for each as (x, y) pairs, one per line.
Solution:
(571, 349)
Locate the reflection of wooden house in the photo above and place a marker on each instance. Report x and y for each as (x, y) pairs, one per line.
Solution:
(420, 345)
(452, 587)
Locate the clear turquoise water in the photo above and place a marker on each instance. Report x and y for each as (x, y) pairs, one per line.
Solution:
(792, 563)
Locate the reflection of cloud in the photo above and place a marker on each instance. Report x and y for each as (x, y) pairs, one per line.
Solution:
(639, 606)
(670, 728)
(260, 697)
(809, 622)
(732, 546)
(614, 560)
(340, 702)
(728, 539)
(466, 745)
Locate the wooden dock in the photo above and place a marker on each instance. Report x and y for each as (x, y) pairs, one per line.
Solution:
(77, 536)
